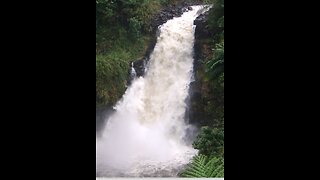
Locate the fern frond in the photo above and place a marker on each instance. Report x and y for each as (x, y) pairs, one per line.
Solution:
(217, 171)
(211, 166)
(201, 168)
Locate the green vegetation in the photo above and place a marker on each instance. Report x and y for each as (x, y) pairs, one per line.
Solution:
(123, 30)
(210, 140)
(202, 166)
(211, 74)
(210, 160)
(215, 64)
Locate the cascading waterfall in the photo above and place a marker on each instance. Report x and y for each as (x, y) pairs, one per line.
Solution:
(146, 135)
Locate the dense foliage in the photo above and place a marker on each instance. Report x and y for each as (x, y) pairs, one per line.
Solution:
(210, 160)
(215, 66)
(213, 62)
(210, 142)
(127, 19)
(122, 34)
(202, 166)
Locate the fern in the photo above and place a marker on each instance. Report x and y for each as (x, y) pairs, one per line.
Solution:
(201, 166)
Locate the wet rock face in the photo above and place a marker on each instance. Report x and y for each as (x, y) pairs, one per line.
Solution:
(173, 11)
(167, 14)
(196, 112)
(139, 66)
(202, 30)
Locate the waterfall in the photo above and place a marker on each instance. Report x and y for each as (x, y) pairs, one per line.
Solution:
(145, 137)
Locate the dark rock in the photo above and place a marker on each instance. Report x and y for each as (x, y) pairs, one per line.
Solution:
(102, 114)
(199, 91)
(139, 66)
(172, 11)
(202, 29)
(185, 9)
(181, 11)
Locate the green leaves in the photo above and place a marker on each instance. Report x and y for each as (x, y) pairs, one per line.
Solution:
(210, 141)
(111, 75)
(215, 66)
(202, 166)
(135, 27)
(216, 13)
(220, 22)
